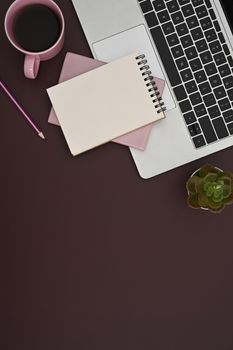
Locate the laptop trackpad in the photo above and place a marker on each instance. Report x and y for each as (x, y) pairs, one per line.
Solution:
(133, 40)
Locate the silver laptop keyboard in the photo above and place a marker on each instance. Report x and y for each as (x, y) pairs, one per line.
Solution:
(198, 64)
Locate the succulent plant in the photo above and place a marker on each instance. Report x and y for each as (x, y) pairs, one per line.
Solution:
(210, 188)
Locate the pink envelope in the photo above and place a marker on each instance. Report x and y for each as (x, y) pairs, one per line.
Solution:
(75, 65)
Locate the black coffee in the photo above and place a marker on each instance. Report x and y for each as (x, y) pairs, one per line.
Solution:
(36, 28)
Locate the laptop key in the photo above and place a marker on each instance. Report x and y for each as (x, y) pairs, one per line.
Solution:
(228, 116)
(205, 88)
(206, 23)
(172, 39)
(230, 60)
(210, 69)
(224, 104)
(180, 93)
(214, 112)
(215, 80)
(165, 55)
(194, 129)
(168, 28)
(186, 75)
(206, 57)
(207, 129)
(195, 64)
(200, 76)
(228, 82)
(220, 128)
(191, 86)
(182, 29)
(158, 5)
(191, 53)
(197, 34)
(163, 16)
(195, 98)
(210, 35)
(146, 6)
(187, 10)
(192, 22)
(151, 19)
(212, 14)
(190, 118)
(224, 70)
(230, 94)
(173, 6)
(197, 2)
(217, 26)
(220, 58)
(201, 45)
(186, 41)
(221, 38)
(177, 17)
(201, 11)
(215, 47)
(199, 141)
(200, 110)
(209, 100)
(177, 51)
(226, 49)
(220, 92)
(182, 63)
(185, 106)
(230, 128)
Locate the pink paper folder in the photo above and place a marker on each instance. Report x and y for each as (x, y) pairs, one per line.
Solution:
(75, 65)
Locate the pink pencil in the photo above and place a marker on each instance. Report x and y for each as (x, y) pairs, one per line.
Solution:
(39, 133)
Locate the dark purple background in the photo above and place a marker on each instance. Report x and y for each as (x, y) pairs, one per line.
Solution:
(91, 255)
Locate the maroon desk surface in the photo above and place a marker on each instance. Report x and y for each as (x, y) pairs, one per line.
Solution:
(91, 255)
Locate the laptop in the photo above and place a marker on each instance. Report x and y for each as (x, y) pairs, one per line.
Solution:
(189, 43)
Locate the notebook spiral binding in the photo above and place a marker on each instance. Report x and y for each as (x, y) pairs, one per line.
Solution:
(150, 83)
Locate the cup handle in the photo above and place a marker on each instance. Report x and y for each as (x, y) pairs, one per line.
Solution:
(31, 66)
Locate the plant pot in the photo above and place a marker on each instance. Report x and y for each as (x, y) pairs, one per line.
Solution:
(210, 186)
(195, 173)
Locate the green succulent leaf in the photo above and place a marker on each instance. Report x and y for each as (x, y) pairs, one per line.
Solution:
(206, 169)
(199, 185)
(194, 184)
(227, 190)
(193, 201)
(229, 199)
(227, 175)
(191, 184)
(217, 197)
(214, 204)
(226, 179)
(217, 211)
(203, 200)
(208, 188)
(210, 178)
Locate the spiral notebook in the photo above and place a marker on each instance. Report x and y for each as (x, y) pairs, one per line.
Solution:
(107, 102)
(75, 65)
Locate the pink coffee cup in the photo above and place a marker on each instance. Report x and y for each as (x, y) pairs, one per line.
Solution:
(33, 59)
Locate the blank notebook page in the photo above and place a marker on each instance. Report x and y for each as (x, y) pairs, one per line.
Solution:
(103, 104)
